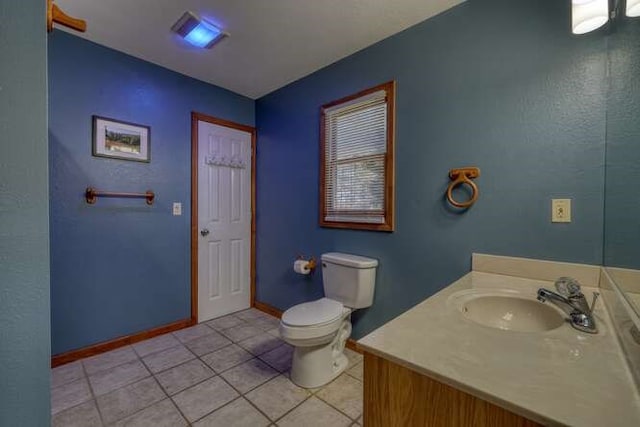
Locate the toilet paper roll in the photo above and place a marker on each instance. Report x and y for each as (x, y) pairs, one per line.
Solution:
(301, 266)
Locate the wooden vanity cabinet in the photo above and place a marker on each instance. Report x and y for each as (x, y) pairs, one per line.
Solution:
(398, 396)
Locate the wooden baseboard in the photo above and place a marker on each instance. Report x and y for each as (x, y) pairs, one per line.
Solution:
(73, 355)
(269, 309)
(353, 345)
(275, 312)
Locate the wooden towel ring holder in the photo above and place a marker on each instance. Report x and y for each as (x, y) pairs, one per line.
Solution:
(462, 176)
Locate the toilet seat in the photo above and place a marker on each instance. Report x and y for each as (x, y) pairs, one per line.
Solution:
(313, 322)
(315, 313)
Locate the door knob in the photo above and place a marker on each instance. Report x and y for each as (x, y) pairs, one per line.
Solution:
(204, 232)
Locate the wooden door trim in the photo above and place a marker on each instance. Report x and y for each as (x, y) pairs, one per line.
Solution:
(195, 118)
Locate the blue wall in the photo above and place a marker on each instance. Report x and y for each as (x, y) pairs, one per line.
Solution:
(120, 266)
(622, 204)
(498, 84)
(24, 225)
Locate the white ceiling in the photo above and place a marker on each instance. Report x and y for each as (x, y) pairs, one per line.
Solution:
(272, 42)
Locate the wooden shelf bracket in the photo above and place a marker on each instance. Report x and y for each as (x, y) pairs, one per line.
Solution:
(56, 15)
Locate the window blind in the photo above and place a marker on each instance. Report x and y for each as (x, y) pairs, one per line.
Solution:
(355, 152)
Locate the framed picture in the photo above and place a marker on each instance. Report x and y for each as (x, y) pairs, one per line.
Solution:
(121, 140)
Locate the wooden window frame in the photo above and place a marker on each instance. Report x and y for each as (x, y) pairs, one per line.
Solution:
(389, 175)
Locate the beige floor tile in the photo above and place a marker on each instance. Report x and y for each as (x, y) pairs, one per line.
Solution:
(109, 359)
(238, 413)
(279, 358)
(266, 323)
(83, 415)
(275, 332)
(357, 371)
(353, 357)
(251, 314)
(184, 376)
(260, 344)
(161, 414)
(130, 399)
(249, 375)
(154, 345)
(277, 397)
(201, 399)
(166, 359)
(193, 332)
(241, 332)
(314, 413)
(105, 381)
(226, 358)
(208, 343)
(70, 395)
(345, 393)
(66, 373)
(225, 322)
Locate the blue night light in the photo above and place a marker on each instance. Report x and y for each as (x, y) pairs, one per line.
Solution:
(203, 34)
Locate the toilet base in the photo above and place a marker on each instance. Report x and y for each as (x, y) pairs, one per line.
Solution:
(316, 366)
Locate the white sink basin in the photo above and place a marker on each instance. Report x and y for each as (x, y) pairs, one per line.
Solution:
(509, 312)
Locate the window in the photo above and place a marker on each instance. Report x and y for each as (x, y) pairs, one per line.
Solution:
(356, 160)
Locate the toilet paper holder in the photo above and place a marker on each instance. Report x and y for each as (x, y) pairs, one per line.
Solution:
(312, 262)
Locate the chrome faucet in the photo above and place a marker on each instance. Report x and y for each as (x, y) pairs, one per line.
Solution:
(573, 302)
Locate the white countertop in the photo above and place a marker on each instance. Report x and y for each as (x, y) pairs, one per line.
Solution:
(557, 377)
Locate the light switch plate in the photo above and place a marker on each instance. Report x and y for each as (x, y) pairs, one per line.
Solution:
(177, 208)
(560, 210)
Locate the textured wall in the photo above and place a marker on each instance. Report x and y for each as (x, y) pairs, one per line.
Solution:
(499, 84)
(120, 266)
(622, 204)
(24, 225)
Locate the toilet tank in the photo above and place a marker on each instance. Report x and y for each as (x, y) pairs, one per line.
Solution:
(349, 279)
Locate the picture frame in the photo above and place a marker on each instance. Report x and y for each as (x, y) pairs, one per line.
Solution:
(117, 139)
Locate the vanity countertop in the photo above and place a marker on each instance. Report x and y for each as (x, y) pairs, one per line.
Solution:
(557, 377)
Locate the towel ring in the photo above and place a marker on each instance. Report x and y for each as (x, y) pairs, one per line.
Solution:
(463, 176)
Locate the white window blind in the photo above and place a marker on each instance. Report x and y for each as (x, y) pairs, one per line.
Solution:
(355, 152)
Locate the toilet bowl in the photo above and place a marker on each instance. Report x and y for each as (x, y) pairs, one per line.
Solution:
(319, 330)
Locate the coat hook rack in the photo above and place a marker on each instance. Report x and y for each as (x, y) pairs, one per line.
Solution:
(462, 176)
(56, 15)
(91, 195)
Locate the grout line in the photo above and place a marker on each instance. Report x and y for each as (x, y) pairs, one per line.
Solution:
(93, 394)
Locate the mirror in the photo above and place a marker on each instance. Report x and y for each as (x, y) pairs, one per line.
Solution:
(622, 163)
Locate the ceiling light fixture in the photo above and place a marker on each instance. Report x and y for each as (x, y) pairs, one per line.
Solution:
(632, 8)
(198, 32)
(589, 15)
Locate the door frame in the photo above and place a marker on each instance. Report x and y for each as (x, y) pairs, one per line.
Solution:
(195, 118)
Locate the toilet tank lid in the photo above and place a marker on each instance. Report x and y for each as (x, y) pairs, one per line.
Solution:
(355, 261)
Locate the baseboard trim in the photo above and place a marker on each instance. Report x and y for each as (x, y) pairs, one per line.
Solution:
(269, 309)
(353, 345)
(276, 312)
(102, 347)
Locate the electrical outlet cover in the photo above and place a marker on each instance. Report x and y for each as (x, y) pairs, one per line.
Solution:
(560, 210)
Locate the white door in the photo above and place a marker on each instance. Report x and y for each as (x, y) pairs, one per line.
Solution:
(224, 220)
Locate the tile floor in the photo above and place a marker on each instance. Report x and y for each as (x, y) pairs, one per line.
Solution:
(230, 371)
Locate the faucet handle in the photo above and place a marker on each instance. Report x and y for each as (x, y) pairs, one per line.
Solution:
(567, 286)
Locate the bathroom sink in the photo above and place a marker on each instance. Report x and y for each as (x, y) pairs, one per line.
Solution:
(509, 312)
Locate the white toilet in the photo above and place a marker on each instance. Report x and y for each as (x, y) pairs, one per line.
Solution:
(319, 329)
